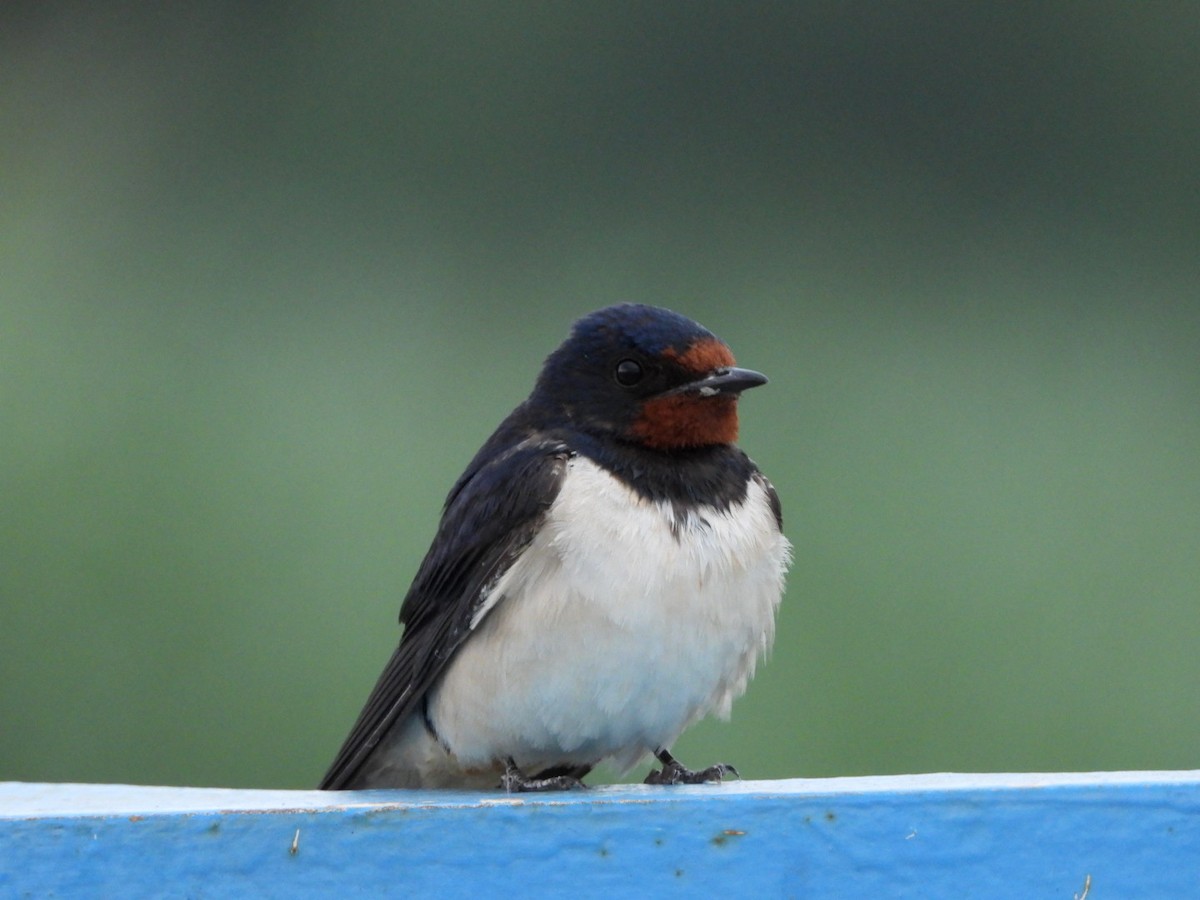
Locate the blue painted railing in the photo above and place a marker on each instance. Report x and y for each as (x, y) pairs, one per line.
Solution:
(1126, 834)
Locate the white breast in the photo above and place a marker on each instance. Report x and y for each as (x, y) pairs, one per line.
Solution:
(623, 623)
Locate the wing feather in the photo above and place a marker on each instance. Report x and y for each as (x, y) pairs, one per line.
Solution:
(490, 517)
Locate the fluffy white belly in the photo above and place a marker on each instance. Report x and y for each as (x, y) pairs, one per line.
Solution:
(624, 622)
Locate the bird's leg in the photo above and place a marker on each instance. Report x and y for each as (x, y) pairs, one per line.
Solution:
(557, 779)
(674, 773)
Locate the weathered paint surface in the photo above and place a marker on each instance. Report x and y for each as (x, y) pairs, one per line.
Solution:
(1130, 834)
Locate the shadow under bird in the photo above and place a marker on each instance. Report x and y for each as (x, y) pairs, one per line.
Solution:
(606, 572)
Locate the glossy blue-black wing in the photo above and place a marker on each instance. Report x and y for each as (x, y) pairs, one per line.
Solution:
(490, 517)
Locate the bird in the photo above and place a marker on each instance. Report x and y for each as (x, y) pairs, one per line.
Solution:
(606, 572)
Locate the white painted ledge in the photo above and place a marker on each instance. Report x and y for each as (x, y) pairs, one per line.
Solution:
(1124, 834)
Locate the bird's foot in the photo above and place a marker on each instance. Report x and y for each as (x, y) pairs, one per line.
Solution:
(514, 781)
(673, 772)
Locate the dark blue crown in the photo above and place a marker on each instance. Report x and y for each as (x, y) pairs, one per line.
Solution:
(647, 328)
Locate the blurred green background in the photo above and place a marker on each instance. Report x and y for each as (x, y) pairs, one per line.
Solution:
(272, 272)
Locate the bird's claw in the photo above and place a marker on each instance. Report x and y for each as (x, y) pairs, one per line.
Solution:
(675, 773)
(514, 781)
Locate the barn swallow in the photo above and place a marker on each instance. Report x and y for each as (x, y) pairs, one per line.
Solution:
(606, 572)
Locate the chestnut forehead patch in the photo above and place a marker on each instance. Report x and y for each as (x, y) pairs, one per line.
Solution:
(703, 356)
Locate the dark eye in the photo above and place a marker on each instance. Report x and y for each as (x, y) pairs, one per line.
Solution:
(628, 372)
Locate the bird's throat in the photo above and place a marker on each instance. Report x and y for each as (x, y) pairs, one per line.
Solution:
(676, 421)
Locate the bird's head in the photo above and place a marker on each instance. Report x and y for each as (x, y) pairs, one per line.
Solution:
(646, 376)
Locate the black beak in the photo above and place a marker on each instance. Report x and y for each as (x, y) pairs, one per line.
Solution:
(726, 380)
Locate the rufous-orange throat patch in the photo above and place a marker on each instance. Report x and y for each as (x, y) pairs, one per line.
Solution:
(676, 421)
(687, 420)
